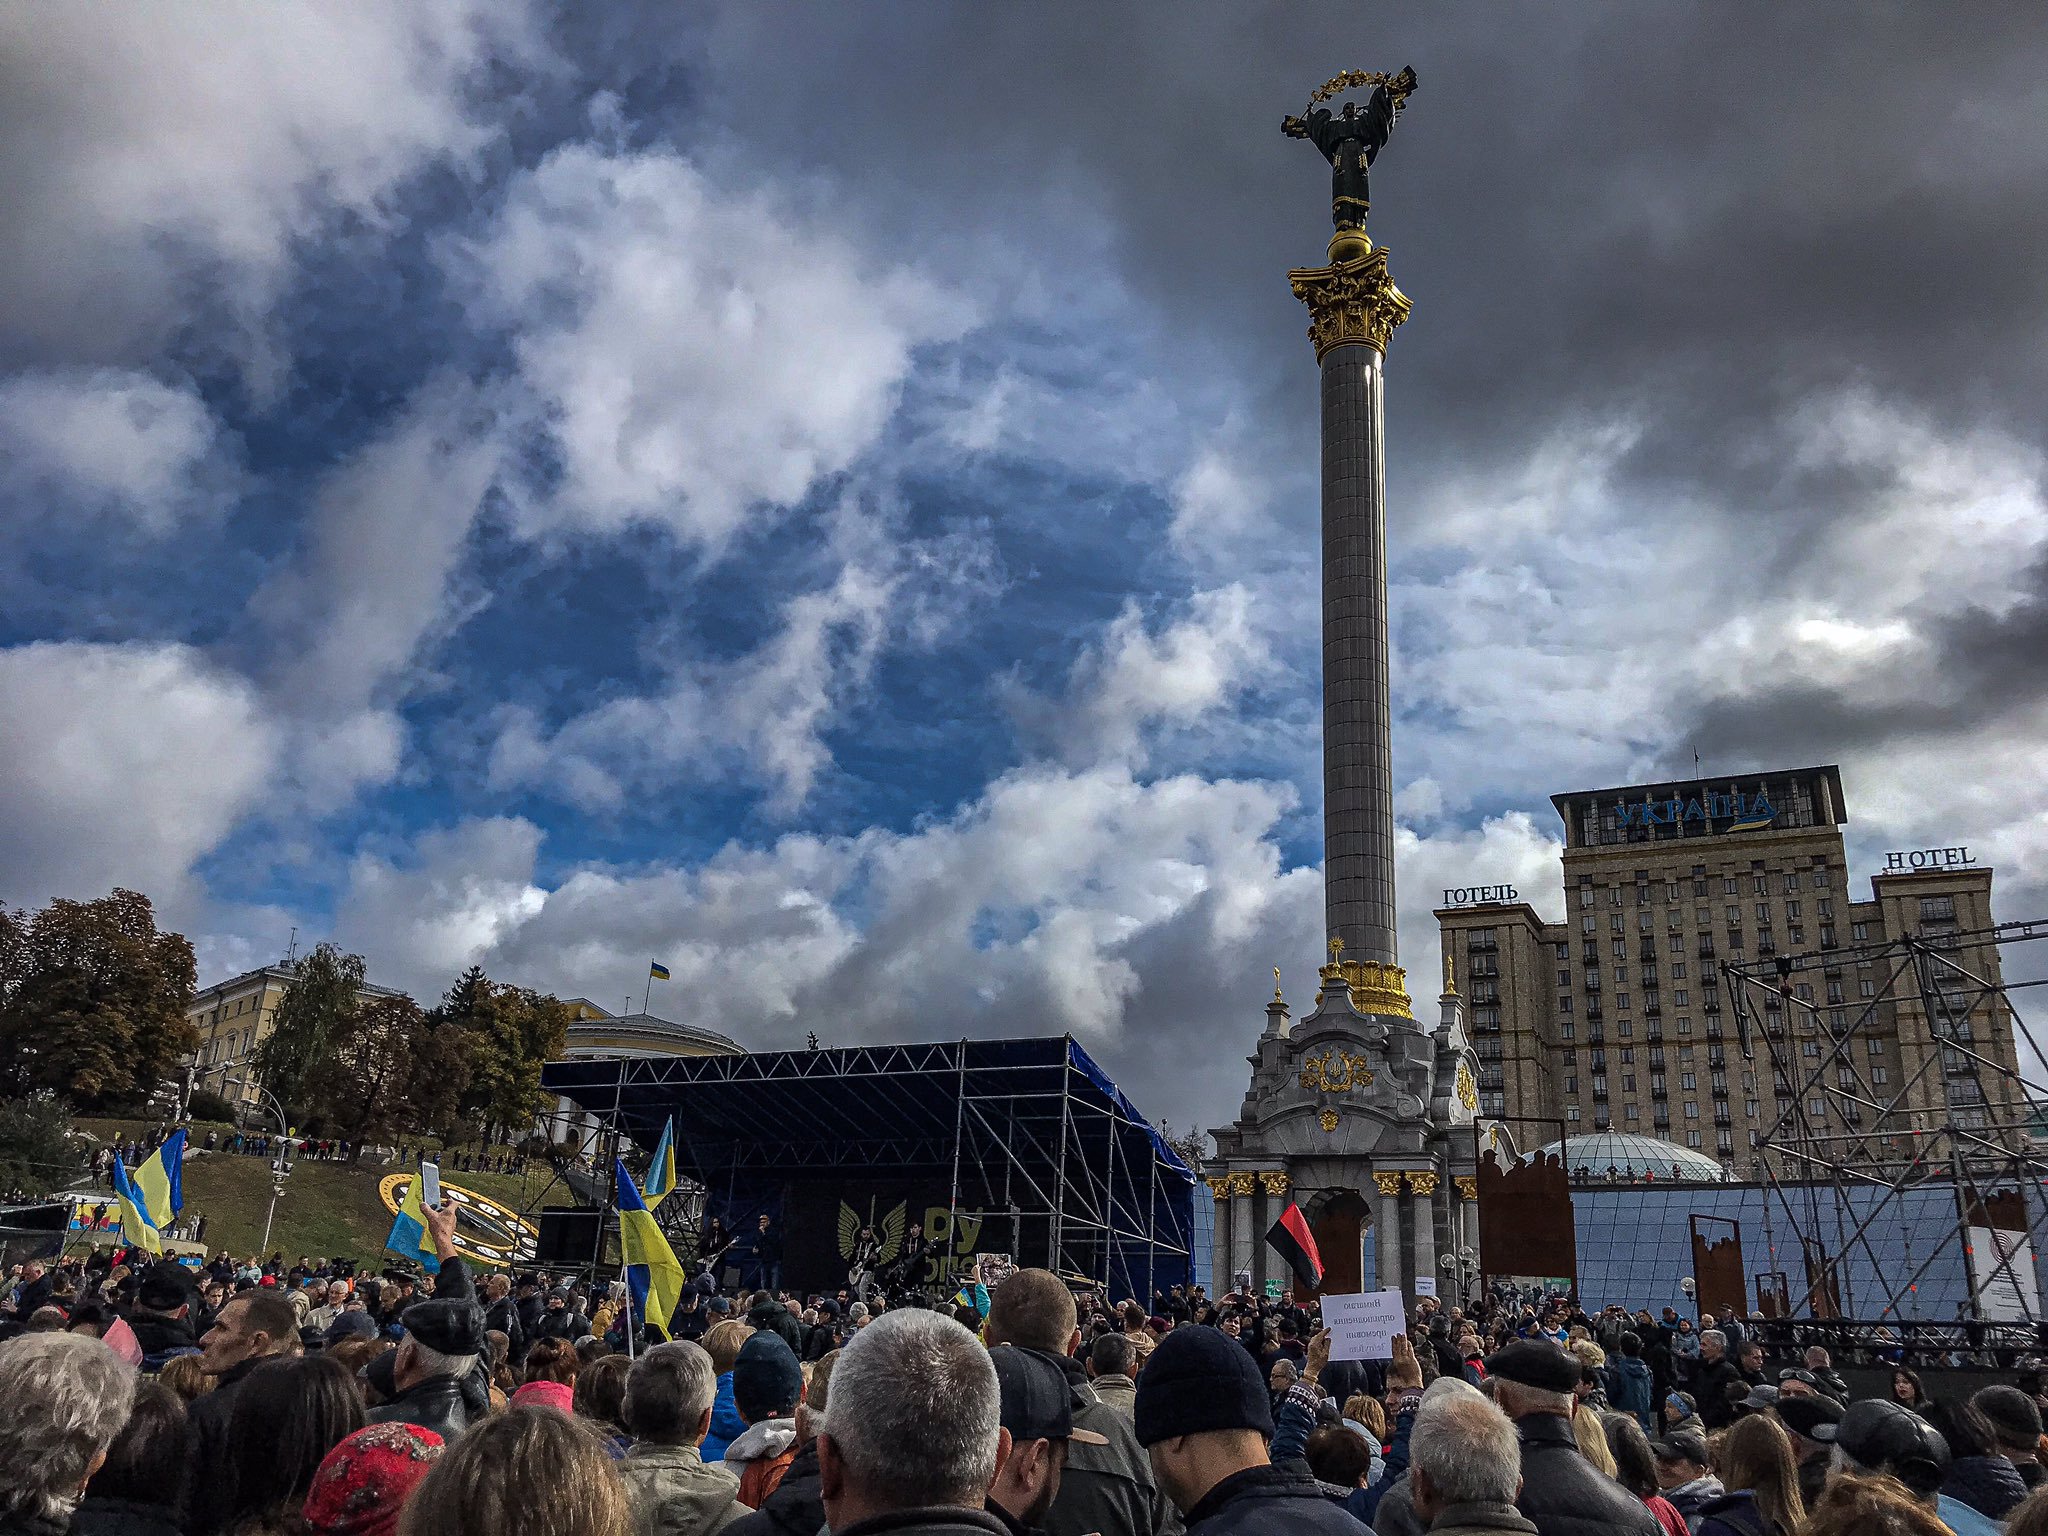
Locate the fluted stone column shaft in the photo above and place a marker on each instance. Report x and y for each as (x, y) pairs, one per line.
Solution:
(1241, 1240)
(1422, 1211)
(1358, 769)
(1387, 1240)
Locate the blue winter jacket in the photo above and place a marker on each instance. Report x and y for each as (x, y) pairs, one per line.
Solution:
(726, 1423)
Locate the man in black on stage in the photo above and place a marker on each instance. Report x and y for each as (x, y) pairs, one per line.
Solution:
(767, 1256)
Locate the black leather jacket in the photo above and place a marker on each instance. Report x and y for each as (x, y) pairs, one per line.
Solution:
(436, 1403)
(1563, 1494)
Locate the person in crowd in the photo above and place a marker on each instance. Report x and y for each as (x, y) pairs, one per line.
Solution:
(1561, 1492)
(553, 1360)
(672, 1490)
(1112, 1367)
(288, 1414)
(63, 1399)
(1760, 1483)
(559, 1320)
(363, 1483)
(2015, 1423)
(501, 1313)
(1818, 1361)
(1906, 1388)
(1878, 1435)
(723, 1343)
(1979, 1474)
(1679, 1412)
(1636, 1469)
(1107, 1484)
(1629, 1387)
(1368, 1416)
(1871, 1506)
(767, 1385)
(1203, 1415)
(1036, 1416)
(911, 1441)
(431, 1369)
(1713, 1374)
(2030, 1519)
(765, 1313)
(1683, 1475)
(796, 1507)
(254, 1327)
(526, 1472)
(599, 1399)
(1589, 1430)
(1810, 1422)
(137, 1490)
(184, 1375)
(162, 1315)
(767, 1255)
(1466, 1467)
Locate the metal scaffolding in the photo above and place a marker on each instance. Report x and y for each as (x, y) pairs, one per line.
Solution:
(1845, 1150)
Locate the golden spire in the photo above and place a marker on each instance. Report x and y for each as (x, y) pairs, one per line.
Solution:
(1276, 986)
(1337, 949)
(1450, 975)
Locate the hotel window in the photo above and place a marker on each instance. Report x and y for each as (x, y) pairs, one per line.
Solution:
(1866, 988)
(1692, 1110)
(1614, 896)
(1879, 1076)
(1678, 943)
(1791, 909)
(1818, 1108)
(1826, 905)
(1806, 991)
(1564, 1004)
(1564, 977)
(1873, 1046)
(1621, 949)
(1628, 1082)
(1678, 971)
(1586, 923)
(1810, 1048)
(1791, 882)
(1692, 1138)
(1684, 1027)
(1629, 1113)
(1703, 915)
(1572, 1113)
(1688, 1081)
(1646, 922)
(1734, 915)
(1858, 932)
(1625, 1030)
(1763, 914)
(1727, 885)
(1621, 1001)
(1749, 1108)
(1615, 924)
(1567, 1030)
(1937, 909)
(1571, 1082)
(1679, 998)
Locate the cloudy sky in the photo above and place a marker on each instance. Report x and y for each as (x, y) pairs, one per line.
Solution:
(825, 496)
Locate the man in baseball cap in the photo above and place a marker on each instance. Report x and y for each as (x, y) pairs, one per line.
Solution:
(1811, 1421)
(1038, 1426)
(1878, 1435)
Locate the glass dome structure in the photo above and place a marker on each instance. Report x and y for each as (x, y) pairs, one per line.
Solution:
(1634, 1157)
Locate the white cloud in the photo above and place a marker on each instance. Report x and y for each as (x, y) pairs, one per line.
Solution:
(122, 764)
(689, 367)
(115, 440)
(151, 152)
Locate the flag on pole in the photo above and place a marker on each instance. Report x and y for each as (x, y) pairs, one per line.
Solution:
(661, 1172)
(409, 1229)
(656, 971)
(137, 1230)
(653, 1276)
(1293, 1241)
(161, 1181)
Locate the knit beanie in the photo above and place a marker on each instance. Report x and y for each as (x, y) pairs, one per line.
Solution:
(766, 1379)
(1199, 1379)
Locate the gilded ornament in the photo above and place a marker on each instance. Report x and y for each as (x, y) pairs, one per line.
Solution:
(1468, 1186)
(1468, 1091)
(1353, 301)
(1422, 1183)
(1327, 1119)
(1276, 1182)
(1389, 1183)
(1335, 1072)
(1450, 974)
(1240, 1184)
(1219, 1186)
(1378, 988)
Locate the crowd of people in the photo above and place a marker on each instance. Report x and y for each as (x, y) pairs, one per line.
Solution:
(309, 1399)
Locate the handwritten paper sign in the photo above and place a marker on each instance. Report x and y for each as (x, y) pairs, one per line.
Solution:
(1363, 1327)
(1425, 1285)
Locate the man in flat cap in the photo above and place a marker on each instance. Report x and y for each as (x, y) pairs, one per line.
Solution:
(1563, 1494)
(434, 1371)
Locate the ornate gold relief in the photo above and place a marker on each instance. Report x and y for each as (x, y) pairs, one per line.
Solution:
(1335, 1071)
(1468, 1186)
(1327, 1119)
(1276, 1182)
(1240, 1183)
(1422, 1183)
(1352, 301)
(1389, 1183)
(1374, 987)
(1468, 1091)
(1219, 1185)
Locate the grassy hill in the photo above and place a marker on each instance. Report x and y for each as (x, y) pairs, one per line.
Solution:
(327, 1208)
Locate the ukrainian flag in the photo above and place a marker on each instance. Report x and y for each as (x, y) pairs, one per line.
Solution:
(656, 971)
(661, 1172)
(161, 1181)
(409, 1229)
(652, 1273)
(137, 1230)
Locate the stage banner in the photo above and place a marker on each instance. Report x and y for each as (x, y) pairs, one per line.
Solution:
(899, 1231)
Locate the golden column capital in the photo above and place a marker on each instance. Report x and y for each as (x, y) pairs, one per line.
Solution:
(1422, 1183)
(1351, 301)
(1389, 1183)
(1241, 1184)
(1219, 1185)
(1468, 1186)
(1276, 1181)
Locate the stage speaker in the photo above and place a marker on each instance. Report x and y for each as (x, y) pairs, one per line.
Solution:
(568, 1234)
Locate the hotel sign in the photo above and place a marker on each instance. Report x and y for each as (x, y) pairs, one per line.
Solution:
(1928, 858)
(1480, 895)
(1741, 813)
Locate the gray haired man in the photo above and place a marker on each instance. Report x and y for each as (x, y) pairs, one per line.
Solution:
(67, 1396)
(910, 1439)
(669, 1393)
(1465, 1468)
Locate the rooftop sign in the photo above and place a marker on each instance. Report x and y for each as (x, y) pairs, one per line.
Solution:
(1928, 858)
(1741, 813)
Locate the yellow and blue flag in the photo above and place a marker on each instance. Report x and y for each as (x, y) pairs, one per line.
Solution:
(661, 1171)
(409, 1229)
(653, 1276)
(137, 1230)
(160, 1181)
(656, 971)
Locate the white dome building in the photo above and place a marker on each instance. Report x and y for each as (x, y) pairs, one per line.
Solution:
(1633, 1158)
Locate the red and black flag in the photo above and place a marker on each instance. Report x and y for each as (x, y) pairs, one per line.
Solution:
(1293, 1241)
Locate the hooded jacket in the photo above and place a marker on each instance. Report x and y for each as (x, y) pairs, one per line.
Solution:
(760, 1457)
(674, 1493)
(795, 1508)
(1629, 1390)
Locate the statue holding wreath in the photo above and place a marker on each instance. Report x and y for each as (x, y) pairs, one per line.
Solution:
(1351, 140)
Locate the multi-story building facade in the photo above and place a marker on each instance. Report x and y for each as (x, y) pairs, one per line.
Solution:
(232, 1018)
(1619, 1017)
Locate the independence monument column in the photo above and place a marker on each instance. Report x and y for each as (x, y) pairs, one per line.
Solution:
(1353, 310)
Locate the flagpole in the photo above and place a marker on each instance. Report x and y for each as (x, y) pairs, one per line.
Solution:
(648, 995)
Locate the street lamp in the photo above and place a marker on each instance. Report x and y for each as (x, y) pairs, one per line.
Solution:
(1687, 1284)
(280, 1165)
(1462, 1268)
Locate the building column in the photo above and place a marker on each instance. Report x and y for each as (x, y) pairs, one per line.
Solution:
(1242, 1251)
(1422, 1211)
(1274, 1183)
(1388, 1245)
(1465, 1219)
(1219, 1236)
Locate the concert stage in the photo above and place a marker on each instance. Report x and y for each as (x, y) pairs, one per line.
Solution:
(1018, 1147)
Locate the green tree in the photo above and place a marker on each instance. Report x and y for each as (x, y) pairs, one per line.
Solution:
(37, 1151)
(510, 1032)
(390, 1071)
(93, 999)
(307, 1027)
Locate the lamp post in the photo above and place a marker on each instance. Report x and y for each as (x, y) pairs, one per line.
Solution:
(1462, 1269)
(1691, 1288)
(280, 1165)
